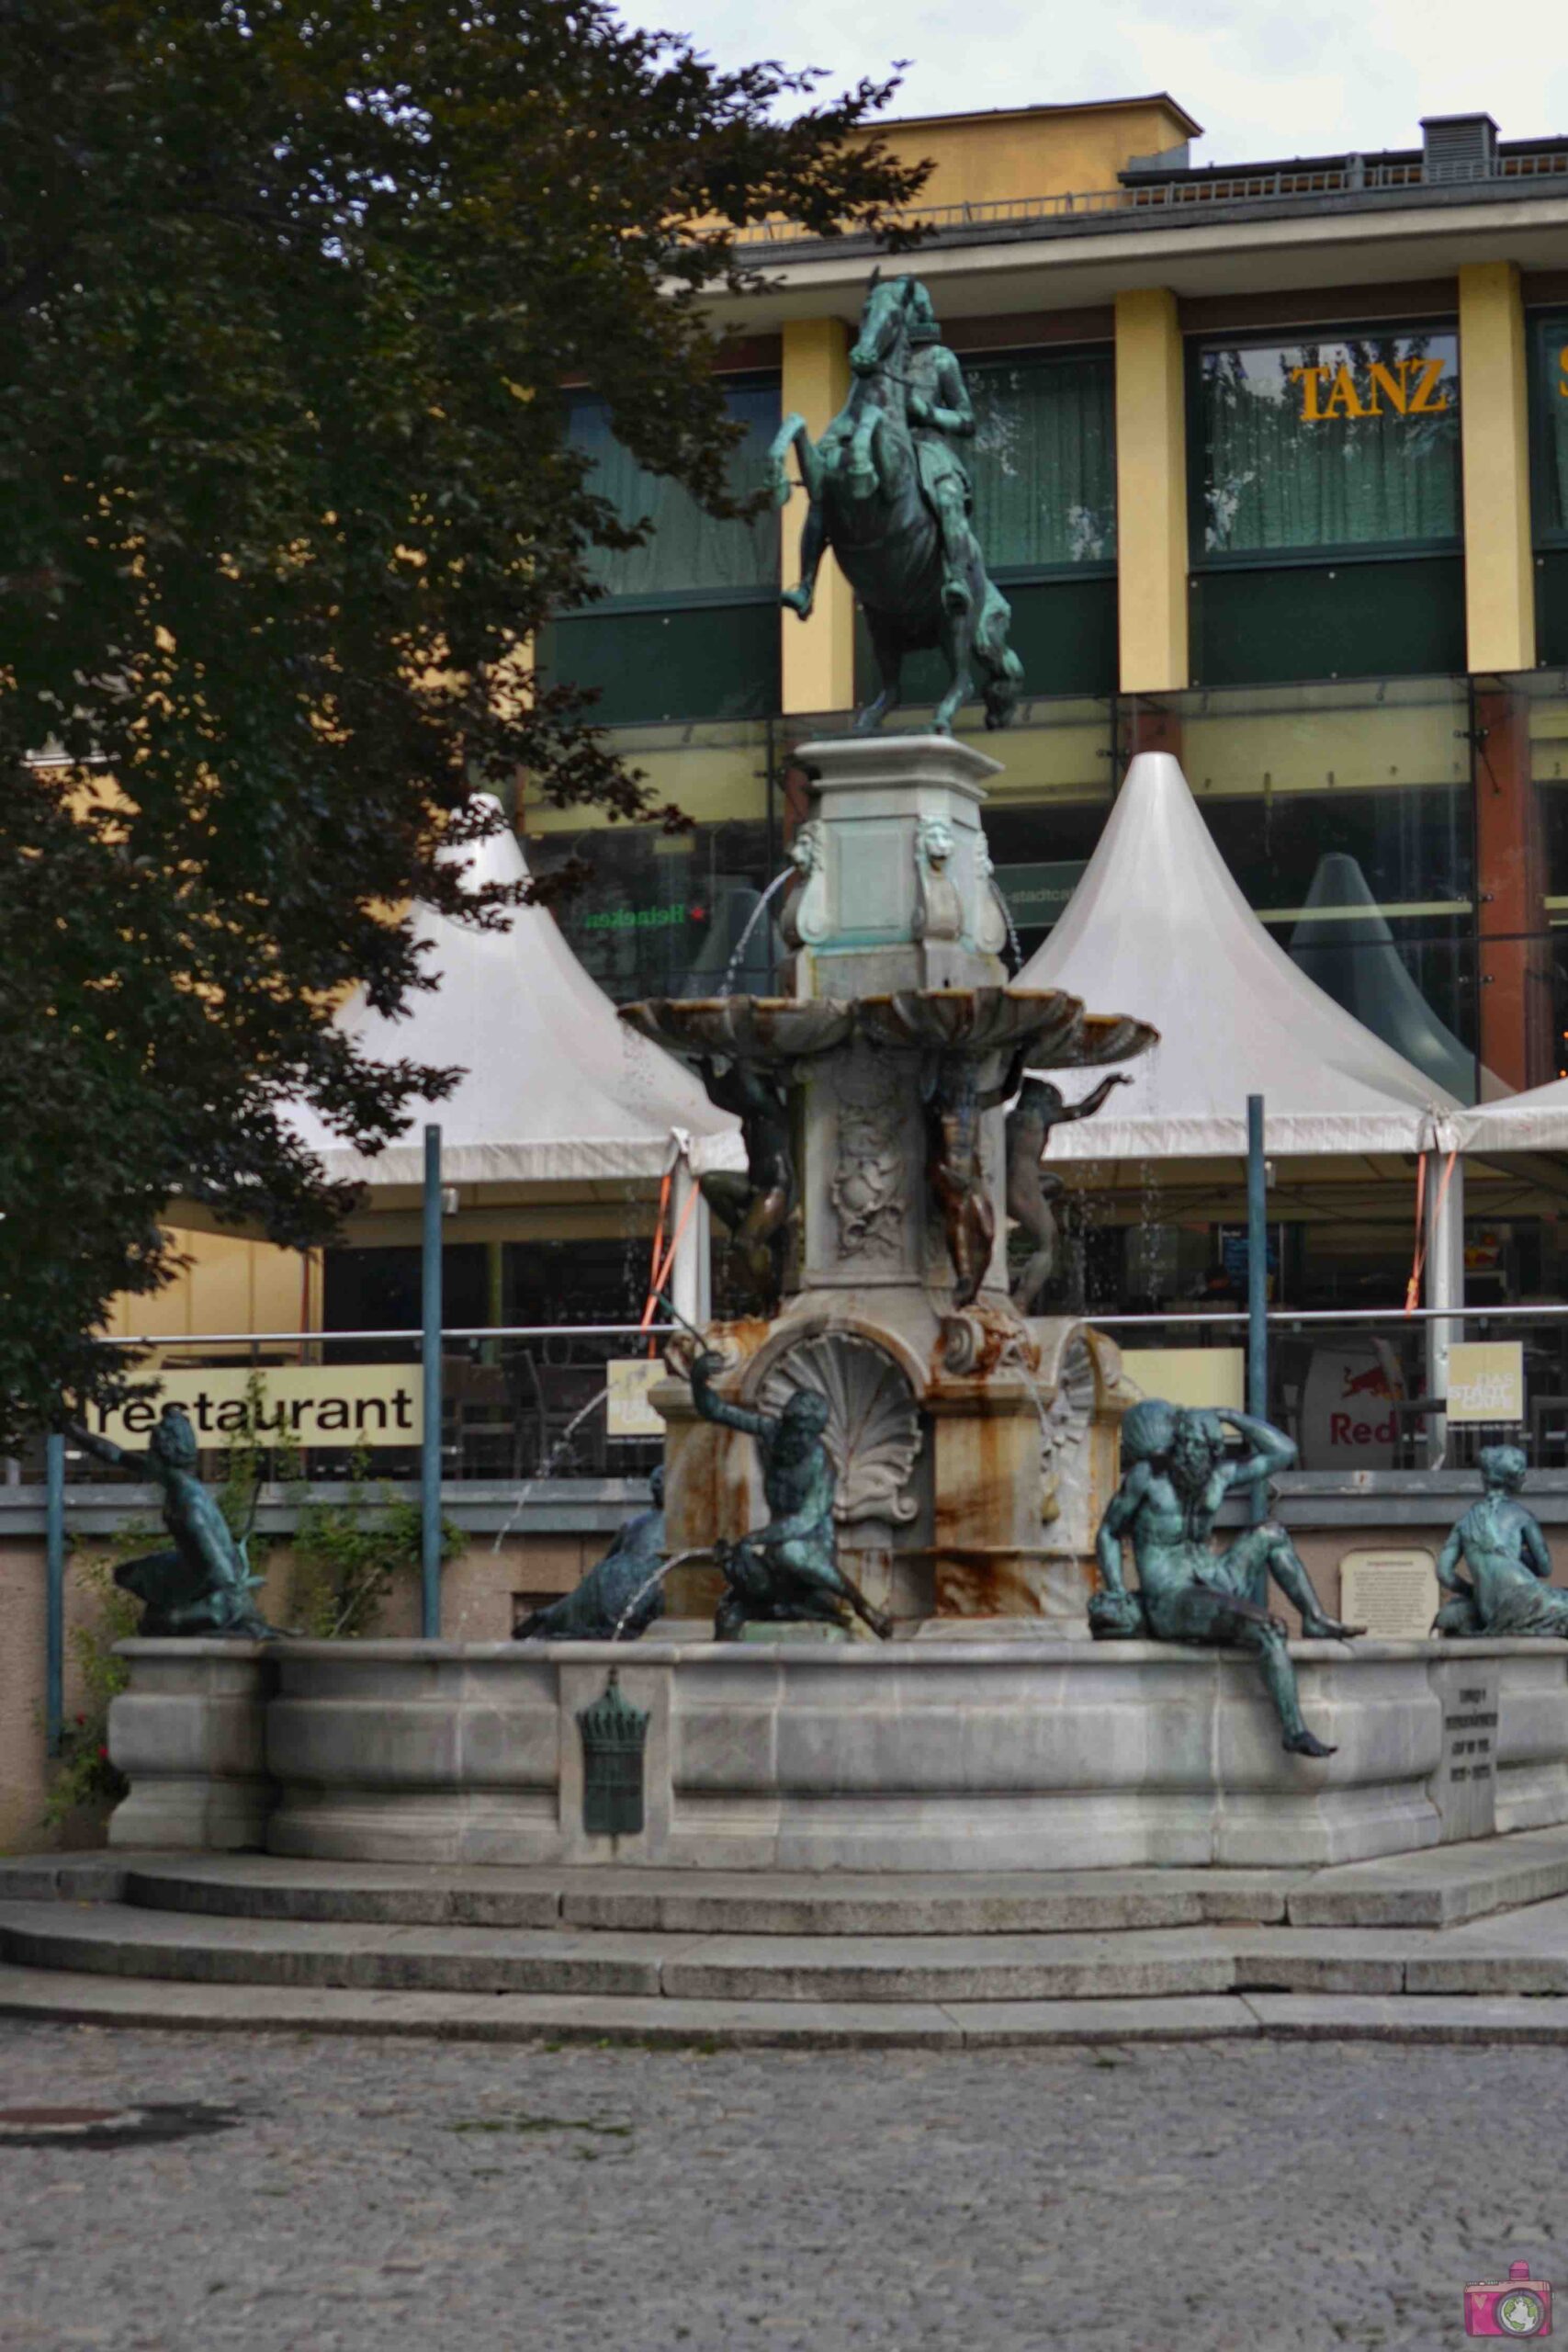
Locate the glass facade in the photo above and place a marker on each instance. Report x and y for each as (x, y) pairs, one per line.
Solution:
(688, 626)
(1044, 461)
(664, 914)
(1549, 439)
(687, 551)
(1548, 406)
(1327, 446)
(1324, 507)
(1344, 813)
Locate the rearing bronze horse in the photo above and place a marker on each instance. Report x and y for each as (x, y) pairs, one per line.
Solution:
(892, 501)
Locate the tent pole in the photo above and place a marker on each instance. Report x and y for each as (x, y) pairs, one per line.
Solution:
(430, 1352)
(54, 1575)
(689, 1284)
(1445, 1287)
(1257, 1284)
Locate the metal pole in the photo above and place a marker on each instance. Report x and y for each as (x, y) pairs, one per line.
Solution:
(1256, 1286)
(430, 1349)
(55, 1585)
(1445, 1288)
(1256, 1263)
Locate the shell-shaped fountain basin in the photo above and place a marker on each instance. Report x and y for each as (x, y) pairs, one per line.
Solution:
(744, 1028)
(1047, 1024)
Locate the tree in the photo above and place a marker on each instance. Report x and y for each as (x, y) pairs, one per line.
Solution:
(288, 293)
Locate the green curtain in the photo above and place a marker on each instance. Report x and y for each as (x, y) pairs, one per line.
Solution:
(688, 549)
(1553, 390)
(1043, 459)
(1272, 478)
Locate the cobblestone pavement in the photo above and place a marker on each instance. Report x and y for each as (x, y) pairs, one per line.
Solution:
(400, 2194)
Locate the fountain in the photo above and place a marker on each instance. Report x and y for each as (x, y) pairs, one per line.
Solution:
(970, 1441)
(936, 1459)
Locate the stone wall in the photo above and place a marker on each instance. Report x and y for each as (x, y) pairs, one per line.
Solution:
(796, 1755)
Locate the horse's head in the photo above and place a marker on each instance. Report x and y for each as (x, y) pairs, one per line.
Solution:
(884, 321)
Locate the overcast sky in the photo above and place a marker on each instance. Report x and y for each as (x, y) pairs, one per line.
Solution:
(1264, 78)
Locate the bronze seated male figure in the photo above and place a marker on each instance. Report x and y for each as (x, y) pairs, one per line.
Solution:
(1177, 1469)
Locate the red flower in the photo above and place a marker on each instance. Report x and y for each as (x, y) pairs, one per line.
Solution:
(104, 1754)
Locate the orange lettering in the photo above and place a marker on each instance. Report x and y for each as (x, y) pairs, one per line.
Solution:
(1384, 379)
(1423, 404)
(1563, 373)
(1344, 390)
(1309, 378)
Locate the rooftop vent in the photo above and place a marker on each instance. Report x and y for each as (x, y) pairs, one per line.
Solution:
(1457, 146)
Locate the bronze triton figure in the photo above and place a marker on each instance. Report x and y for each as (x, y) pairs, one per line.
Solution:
(1177, 1471)
(891, 496)
(621, 1596)
(1031, 1189)
(755, 1207)
(203, 1584)
(789, 1569)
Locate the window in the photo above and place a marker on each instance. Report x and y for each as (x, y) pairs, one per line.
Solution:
(1549, 388)
(688, 554)
(1327, 447)
(1044, 461)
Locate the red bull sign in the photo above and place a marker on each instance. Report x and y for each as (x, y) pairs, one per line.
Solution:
(1347, 1420)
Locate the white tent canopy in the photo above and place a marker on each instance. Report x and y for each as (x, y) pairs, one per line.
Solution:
(555, 1088)
(1537, 1120)
(1158, 928)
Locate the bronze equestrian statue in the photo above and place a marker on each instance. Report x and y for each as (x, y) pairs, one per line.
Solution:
(892, 497)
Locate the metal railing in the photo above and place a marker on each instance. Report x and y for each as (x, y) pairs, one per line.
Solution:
(1349, 180)
(1353, 1386)
(527, 1402)
(519, 1402)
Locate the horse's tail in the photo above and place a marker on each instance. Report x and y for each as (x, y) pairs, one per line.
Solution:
(1003, 670)
(778, 458)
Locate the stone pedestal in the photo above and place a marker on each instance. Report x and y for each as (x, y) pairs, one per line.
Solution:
(190, 1736)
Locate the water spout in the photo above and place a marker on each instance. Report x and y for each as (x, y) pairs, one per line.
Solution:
(659, 1573)
(752, 919)
(546, 1467)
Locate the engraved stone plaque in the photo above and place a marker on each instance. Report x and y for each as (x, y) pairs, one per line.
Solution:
(1464, 1786)
(1394, 1593)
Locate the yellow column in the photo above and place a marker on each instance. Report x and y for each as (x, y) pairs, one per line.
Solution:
(818, 654)
(1151, 492)
(1499, 570)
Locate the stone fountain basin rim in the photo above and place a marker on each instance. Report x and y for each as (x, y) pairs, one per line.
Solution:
(836, 1656)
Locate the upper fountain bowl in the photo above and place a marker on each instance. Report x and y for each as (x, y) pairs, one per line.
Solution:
(744, 1028)
(1048, 1025)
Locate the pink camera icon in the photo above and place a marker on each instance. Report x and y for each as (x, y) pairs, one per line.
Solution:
(1517, 2305)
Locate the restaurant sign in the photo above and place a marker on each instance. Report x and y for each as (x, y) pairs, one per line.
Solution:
(300, 1404)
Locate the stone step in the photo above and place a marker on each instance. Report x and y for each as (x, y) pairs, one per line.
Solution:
(123, 1940)
(257, 1886)
(63, 1996)
(1441, 1887)
(1528, 1954)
